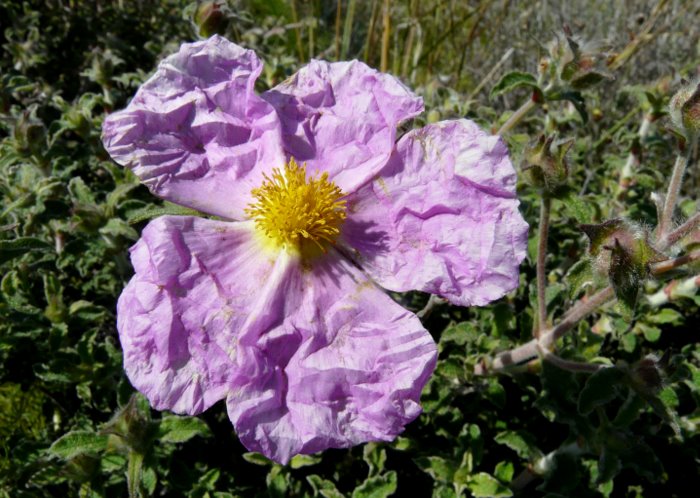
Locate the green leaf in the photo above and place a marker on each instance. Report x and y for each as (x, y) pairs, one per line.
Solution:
(504, 471)
(609, 465)
(10, 249)
(485, 485)
(580, 209)
(459, 334)
(208, 480)
(80, 192)
(574, 97)
(119, 193)
(299, 461)
(257, 459)
(651, 333)
(323, 487)
(77, 443)
(85, 310)
(151, 212)
(521, 442)
(119, 228)
(601, 388)
(277, 481)
(174, 429)
(579, 276)
(590, 78)
(149, 479)
(437, 467)
(636, 454)
(629, 411)
(666, 315)
(377, 487)
(375, 457)
(515, 79)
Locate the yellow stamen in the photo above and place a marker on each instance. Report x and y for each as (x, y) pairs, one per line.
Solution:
(291, 210)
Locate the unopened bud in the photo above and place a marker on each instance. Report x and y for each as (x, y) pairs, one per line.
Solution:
(580, 63)
(685, 108)
(545, 165)
(210, 19)
(621, 250)
(647, 374)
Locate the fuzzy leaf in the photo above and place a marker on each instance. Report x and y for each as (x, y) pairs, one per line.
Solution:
(521, 442)
(14, 248)
(150, 212)
(77, 443)
(515, 79)
(438, 468)
(323, 487)
(485, 485)
(174, 429)
(574, 97)
(601, 388)
(377, 487)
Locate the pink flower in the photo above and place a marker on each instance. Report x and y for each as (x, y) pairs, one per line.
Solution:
(277, 308)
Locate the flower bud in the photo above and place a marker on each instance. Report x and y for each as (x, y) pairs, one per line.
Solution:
(580, 63)
(210, 19)
(621, 250)
(647, 374)
(545, 165)
(685, 108)
(132, 424)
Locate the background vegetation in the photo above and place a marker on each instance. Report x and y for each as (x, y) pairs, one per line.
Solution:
(70, 423)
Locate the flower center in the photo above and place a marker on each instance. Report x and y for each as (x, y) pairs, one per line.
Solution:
(291, 209)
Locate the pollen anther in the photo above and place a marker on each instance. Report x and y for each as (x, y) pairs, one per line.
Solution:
(291, 209)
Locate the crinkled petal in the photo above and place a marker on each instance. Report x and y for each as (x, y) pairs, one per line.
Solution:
(341, 118)
(195, 284)
(196, 133)
(442, 217)
(344, 365)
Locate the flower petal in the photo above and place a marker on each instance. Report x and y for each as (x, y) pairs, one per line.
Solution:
(178, 318)
(196, 133)
(341, 118)
(442, 217)
(343, 366)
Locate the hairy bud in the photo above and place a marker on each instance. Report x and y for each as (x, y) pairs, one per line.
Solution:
(545, 165)
(579, 63)
(685, 108)
(621, 250)
(647, 374)
(210, 19)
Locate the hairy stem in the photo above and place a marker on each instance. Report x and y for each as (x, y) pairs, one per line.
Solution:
(529, 350)
(517, 116)
(672, 264)
(674, 188)
(532, 349)
(690, 224)
(571, 366)
(433, 301)
(633, 157)
(577, 313)
(543, 234)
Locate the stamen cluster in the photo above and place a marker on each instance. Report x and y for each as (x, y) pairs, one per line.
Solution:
(290, 208)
